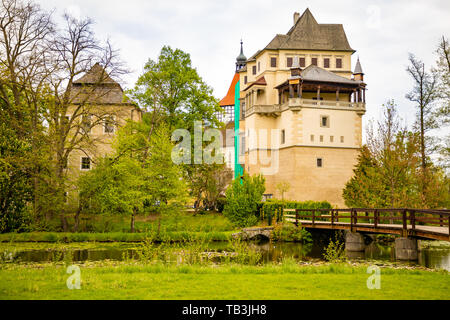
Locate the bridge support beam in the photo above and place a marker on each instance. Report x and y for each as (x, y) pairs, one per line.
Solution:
(354, 241)
(406, 249)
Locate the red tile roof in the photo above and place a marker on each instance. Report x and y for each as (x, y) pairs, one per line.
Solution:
(228, 100)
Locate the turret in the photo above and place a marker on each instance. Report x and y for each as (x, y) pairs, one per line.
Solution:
(241, 59)
(358, 74)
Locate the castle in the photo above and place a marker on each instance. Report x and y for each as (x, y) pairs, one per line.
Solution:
(298, 111)
(295, 107)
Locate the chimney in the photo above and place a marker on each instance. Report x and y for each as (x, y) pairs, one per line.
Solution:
(296, 16)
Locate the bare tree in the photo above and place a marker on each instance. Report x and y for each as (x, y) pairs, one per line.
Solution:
(424, 94)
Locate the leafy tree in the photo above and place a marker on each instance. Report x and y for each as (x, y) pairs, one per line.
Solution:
(207, 183)
(141, 172)
(171, 90)
(283, 187)
(243, 197)
(15, 186)
(389, 174)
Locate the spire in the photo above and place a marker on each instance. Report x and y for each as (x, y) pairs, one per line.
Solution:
(358, 74)
(358, 69)
(241, 59)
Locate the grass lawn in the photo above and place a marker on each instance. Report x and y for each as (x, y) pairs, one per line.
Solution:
(288, 281)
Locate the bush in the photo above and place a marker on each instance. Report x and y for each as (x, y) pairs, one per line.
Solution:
(273, 208)
(221, 204)
(243, 198)
(291, 233)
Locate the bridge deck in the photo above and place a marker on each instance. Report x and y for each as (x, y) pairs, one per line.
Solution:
(430, 232)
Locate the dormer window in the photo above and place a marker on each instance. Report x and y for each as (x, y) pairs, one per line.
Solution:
(338, 63)
(314, 61)
(326, 62)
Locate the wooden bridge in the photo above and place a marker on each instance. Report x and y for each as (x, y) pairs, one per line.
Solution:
(416, 223)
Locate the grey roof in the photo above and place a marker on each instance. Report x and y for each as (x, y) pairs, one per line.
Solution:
(358, 69)
(96, 86)
(314, 73)
(97, 74)
(307, 34)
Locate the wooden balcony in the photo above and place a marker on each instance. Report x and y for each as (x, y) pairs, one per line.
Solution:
(296, 104)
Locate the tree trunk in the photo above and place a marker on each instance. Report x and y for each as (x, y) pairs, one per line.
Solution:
(63, 222)
(77, 220)
(132, 220)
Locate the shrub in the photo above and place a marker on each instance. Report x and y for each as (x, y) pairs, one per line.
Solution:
(335, 252)
(273, 208)
(242, 200)
(289, 232)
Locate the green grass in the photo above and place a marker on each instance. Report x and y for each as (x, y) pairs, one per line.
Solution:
(181, 227)
(184, 221)
(288, 281)
(113, 236)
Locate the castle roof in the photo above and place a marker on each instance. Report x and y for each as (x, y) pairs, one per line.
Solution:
(307, 34)
(96, 86)
(315, 73)
(228, 100)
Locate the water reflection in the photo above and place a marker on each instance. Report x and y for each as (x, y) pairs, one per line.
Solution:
(271, 252)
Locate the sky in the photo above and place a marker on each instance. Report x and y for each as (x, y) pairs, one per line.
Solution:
(381, 32)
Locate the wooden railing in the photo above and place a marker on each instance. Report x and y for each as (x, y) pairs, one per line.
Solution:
(409, 221)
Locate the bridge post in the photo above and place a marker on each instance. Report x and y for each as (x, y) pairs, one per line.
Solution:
(354, 241)
(406, 249)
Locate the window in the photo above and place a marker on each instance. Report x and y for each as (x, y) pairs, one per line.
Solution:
(86, 122)
(324, 121)
(283, 136)
(342, 139)
(302, 62)
(273, 62)
(108, 126)
(267, 196)
(254, 70)
(85, 163)
(289, 62)
(245, 79)
(326, 62)
(338, 63)
(319, 162)
(259, 66)
(314, 61)
(312, 138)
(331, 138)
(321, 138)
(242, 146)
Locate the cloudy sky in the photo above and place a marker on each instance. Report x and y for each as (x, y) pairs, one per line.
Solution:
(381, 32)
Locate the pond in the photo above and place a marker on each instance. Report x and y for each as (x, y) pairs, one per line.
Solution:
(270, 251)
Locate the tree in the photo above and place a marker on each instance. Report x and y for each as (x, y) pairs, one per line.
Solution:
(243, 197)
(423, 94)
(283, 187)
(207, 183)
(25, 30)
(442, 113)
(171, 90)
(389, 173)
